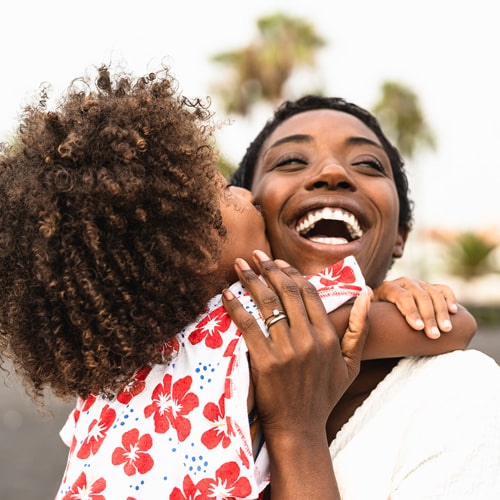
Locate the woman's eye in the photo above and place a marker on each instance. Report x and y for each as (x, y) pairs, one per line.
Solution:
(372, 164)
(292, 161)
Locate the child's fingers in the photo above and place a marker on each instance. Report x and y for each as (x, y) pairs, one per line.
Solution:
(442, 293)
(434, 303)
(443, 303)
(425, 307)
(397, 293)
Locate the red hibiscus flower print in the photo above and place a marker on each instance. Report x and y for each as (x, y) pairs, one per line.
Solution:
(338, 274)
(189, 490)
(227, 483)
(135, 387)
(83, 491)
(217, 433)
(133, 454)
(88, 402)
(97, 432)
(244, 457)
(210, 328)
(170, 348)
(231, 347)
(170, 405)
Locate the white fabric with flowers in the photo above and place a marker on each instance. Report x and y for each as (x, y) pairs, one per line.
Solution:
(181, 430)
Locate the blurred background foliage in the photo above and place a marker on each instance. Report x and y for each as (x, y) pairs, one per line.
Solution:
(264, 72)
(469, 255)
(285, 46)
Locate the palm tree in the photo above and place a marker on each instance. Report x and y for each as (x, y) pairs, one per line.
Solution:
(261, 70)
(469, 255)
(400, 114)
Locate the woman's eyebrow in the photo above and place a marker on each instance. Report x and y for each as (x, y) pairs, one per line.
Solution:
(289, 138)
(356, 141)
(351, 141)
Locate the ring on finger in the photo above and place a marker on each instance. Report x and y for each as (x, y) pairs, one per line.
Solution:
(276, 316)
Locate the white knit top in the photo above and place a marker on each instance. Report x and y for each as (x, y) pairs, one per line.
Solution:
(430, 430)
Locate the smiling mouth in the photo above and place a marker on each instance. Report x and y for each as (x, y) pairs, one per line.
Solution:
(331, 226)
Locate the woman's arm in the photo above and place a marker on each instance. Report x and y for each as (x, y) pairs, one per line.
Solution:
(299, 372)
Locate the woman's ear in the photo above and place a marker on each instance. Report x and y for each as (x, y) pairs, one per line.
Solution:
(399, 245)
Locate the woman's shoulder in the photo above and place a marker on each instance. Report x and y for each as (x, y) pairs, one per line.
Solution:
(420, 391)
(464, 364)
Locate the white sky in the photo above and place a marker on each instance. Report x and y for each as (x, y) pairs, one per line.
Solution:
(447, 52)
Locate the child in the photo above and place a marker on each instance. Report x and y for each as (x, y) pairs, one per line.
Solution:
(117, 231)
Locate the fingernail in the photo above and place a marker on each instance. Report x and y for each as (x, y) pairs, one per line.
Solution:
(228, 294)
(435, 332)
(281, 263)
(241, 264)
(419, 324)
(447, 324)
(260, 255)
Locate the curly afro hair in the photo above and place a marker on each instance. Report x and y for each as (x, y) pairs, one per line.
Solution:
(110, 231)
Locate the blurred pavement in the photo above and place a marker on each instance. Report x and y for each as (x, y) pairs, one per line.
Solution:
(32, 456)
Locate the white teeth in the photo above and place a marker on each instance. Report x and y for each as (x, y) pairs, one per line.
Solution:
(307, 222)
(329, 241)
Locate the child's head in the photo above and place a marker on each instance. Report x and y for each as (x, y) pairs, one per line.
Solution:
(111, 230)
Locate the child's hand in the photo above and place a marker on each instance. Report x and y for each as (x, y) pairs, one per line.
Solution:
(425, 306)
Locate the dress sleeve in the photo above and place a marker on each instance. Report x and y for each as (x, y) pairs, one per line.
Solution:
(67, 431)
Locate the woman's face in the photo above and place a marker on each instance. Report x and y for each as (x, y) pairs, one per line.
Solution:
(245, 226)
(326, 188)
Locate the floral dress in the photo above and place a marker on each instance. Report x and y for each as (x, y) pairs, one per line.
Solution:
(180, 430)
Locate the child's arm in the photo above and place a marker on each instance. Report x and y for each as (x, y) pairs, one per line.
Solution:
(391, 336)
(395, 325)
(405, 301)
(427, 307)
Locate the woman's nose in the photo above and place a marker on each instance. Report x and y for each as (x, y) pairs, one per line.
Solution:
(331, 175)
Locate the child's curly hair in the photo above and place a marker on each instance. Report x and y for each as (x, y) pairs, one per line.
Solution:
(110, 231)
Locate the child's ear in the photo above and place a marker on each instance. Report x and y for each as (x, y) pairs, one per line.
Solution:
(399, 245)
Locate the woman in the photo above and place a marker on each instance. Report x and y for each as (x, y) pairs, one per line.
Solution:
(330, 184)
